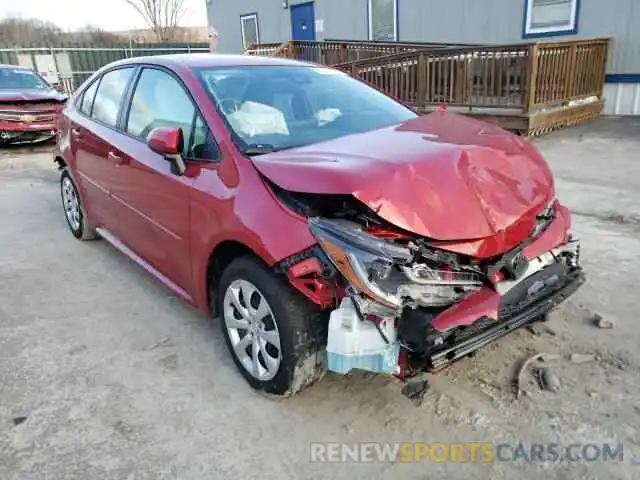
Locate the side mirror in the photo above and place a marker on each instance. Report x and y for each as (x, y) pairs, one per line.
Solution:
(168, 142)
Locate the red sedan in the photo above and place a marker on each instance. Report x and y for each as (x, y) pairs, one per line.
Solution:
(329, 226)
(29, 106)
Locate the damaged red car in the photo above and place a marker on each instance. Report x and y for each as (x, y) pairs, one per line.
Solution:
(327, 225)
(29, 106)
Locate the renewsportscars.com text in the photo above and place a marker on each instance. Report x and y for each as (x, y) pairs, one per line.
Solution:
(466, 452)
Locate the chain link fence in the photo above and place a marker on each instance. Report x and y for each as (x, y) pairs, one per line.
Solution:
(70, 65)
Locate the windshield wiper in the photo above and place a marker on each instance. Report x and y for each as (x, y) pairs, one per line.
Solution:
(259, 149)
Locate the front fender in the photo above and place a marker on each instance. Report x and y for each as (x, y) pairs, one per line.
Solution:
(247, 214)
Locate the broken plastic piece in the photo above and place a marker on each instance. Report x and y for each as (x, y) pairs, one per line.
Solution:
(547, 380)
(356, 344)
(415, 389)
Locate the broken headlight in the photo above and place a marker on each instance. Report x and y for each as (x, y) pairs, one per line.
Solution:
(387, 272)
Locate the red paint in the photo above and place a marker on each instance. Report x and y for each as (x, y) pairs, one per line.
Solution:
(306, 267)
(485, 302)
(496, 277)
(166, 140)
(316, 289)
(442, 175)
(389, 234)
(403, 364)
(468, 185)
(306, 276)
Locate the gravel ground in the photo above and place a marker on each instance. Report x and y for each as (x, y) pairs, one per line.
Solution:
(104, 375)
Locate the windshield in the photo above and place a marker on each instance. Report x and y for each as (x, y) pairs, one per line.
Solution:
(21, 79)
(273, 108)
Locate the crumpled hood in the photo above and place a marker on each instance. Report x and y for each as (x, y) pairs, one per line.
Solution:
(443, 176)
(7, 96)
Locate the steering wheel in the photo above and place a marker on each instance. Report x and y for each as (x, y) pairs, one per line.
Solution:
(229, 105)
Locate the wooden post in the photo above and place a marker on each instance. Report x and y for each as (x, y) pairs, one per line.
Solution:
(344, 53)
(571, 74)
(605, 61)
(282, 50)
(531, 75)
(291, 51)
(421, 97)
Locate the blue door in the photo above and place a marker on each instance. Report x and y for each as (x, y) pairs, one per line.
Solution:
(303, 22)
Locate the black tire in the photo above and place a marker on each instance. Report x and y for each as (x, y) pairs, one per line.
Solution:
(82, 230)
(301, 325)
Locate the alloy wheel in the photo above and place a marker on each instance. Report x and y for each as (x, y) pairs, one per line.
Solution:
(252, 329)
(71, 203)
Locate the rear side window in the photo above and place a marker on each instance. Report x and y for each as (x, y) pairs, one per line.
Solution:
(87, 98)
(109, 95)
(159, 100)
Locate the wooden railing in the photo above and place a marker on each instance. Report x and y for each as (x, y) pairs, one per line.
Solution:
(519, 79)
(265, 49)
(525, 77)
(330, 52)
(467, 77)
(566, 71)
(417, 44)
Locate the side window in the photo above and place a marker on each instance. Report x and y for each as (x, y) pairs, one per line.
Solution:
(160, 101)
(109, 96)
(203, 146)
(87, 98)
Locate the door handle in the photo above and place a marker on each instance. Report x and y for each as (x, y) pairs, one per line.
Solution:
(115, 158)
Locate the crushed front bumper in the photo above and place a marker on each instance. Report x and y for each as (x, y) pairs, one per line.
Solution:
(512, 315)
(11, 133)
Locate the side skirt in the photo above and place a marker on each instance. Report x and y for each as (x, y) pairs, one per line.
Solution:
(115, 241)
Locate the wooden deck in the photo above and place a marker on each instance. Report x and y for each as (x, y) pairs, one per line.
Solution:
(530, 88)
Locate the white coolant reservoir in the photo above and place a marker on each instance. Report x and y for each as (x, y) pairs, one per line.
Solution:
(353, 343)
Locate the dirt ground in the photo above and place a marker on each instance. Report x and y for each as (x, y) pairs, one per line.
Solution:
(116, 379)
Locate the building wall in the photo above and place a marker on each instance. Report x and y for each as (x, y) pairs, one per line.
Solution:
(463, 21)
(622, 98)
(501, 21)
(274, 21)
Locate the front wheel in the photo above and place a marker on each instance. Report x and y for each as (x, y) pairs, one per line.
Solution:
(276, 337)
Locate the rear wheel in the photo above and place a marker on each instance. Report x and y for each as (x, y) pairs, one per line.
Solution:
(73, 209)
(276, 337)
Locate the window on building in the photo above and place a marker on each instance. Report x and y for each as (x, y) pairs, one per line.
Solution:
(383, 20)
(249, 28)
(550, 17)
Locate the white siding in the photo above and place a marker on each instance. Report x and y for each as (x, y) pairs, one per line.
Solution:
(462, 21)
(622, 99)
(455, 21)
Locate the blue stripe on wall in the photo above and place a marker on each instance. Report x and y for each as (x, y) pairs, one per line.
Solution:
(622, 78)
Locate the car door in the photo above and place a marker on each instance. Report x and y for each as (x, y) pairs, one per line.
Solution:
(152, 202)
(91, 131)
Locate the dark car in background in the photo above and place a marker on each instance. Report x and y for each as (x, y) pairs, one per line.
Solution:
(29, 106)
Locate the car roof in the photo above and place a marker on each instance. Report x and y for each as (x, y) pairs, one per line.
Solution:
(204, 60)
(5, 66)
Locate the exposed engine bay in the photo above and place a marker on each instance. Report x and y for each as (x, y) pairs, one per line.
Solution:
(401, 304)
